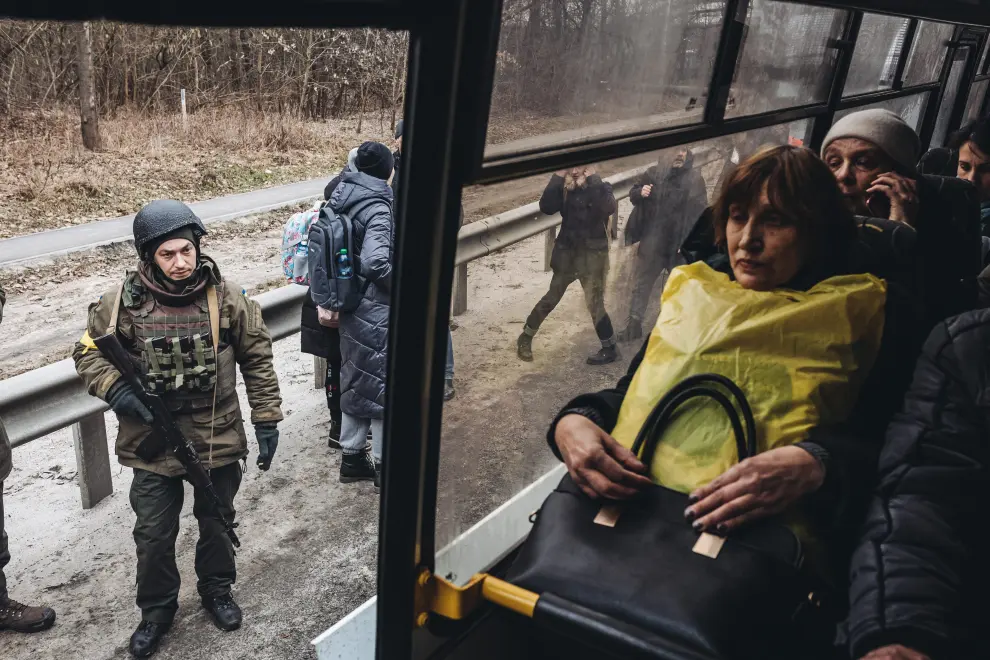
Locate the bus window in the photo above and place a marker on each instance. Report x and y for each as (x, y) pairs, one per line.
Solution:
(927, 53)
(567, 75)
(775, 69)
(911, 108)
(949, 99)
(977, 93)
(494, 429)
(878, 47)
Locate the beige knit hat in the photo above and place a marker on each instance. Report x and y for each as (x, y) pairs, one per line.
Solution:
(883, 128)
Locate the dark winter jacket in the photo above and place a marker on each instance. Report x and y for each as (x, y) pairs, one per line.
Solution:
(851, 448)
(584, 212)
(919, 575)
(396, 162)
(661, 222)
(364, 332)
(316, 339)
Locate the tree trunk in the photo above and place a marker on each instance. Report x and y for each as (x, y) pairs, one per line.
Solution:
(88, 116)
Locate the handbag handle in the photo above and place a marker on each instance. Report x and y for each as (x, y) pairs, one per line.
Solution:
(693, 387)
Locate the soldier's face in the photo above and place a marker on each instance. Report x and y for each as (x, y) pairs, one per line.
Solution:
(176, 258)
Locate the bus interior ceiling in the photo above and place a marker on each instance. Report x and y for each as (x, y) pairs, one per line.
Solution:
(744, 83)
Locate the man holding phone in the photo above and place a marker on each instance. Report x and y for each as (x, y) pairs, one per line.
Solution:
(873, 155)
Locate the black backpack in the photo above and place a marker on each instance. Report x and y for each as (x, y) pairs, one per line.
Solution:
(331, 233)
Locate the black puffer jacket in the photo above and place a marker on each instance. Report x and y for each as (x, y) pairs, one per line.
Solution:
(920, 575)
(584, 213)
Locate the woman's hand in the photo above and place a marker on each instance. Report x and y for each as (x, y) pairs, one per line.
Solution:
(598, 464)
(757, 487)
(894, 652)
(902, 193)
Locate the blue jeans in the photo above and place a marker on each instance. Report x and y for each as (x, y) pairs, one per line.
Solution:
(354, 435)
(449, 371)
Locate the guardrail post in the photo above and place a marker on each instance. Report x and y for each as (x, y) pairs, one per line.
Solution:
(319, 373)
(89, 435)
(551, 238)
(460, 289)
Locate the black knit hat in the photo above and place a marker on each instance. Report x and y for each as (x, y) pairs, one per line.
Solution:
(375, 159)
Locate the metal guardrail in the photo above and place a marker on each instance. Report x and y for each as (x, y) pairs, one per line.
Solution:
(40, 402)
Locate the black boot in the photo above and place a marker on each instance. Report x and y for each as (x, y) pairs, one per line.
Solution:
(357, 467)
(448, 389)
(334, 440)
(606, 355)
(224, 611)
(524, 347)
(633, 331)
(378, 476)
(145, 640)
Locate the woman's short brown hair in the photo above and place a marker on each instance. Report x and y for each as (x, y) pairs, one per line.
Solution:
(801, 188)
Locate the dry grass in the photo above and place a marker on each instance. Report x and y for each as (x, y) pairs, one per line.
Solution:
(48, 180)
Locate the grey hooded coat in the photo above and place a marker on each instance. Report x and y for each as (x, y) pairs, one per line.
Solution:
(364, 332)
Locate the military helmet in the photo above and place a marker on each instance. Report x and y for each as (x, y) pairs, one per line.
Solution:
(160, 218)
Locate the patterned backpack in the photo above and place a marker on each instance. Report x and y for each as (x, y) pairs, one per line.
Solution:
(295, 245)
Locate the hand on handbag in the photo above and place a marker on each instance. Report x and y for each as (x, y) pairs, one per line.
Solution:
(895, 652)
(598, 464)
(758, 487)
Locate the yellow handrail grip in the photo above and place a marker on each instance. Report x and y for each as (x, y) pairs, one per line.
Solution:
(509, 596)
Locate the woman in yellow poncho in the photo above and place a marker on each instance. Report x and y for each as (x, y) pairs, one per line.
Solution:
(823, 354)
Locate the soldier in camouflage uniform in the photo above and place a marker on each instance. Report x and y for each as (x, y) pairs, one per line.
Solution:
(185, 328)
(13, 615)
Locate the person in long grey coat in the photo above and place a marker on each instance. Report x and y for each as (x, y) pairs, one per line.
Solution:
(365, 197)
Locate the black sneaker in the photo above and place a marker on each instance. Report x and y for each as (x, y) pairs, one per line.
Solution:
(147, 637)
(334, 440)
(524, 347)
(448, 389)
(357, 467)
(224, 611)
(632, 332)
(606, 355)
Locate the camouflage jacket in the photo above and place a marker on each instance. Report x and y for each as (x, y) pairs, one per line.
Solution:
(219, 437)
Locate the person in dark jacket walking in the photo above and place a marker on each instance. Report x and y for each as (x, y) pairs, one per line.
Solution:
(667, 200)
(585, 203)
(367, 199)
(919, 575)
(13, 615)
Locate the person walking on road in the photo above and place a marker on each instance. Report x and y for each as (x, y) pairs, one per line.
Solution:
(365, 197)
(186, 328)
(15, 616)
(585, 203)
(667, 200)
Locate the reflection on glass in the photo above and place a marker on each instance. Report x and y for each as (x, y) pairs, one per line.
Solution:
(927, 53)
(983, 57)
(777, 70)
(949, 100)
(977, 93)
(910, 108)
(494, 430)
(569, 71)
(874, 61)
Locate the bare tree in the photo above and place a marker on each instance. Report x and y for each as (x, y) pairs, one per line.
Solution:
(88, 111)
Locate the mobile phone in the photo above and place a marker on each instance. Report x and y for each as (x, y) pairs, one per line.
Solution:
(879, 205)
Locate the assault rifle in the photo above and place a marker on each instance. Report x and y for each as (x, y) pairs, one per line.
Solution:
(165, 427)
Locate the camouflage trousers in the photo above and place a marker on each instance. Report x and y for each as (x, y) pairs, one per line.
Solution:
(4, 550)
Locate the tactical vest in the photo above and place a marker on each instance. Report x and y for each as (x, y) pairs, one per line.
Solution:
(178, 352)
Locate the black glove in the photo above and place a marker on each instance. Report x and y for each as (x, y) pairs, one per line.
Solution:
(267, 435)
(124, 401)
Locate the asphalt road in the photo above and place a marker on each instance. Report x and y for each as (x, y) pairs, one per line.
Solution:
(116, 230)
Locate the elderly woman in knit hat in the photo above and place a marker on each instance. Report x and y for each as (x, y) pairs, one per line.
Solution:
(873, 155)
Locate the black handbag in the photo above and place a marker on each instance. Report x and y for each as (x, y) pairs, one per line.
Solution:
(642, 579)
